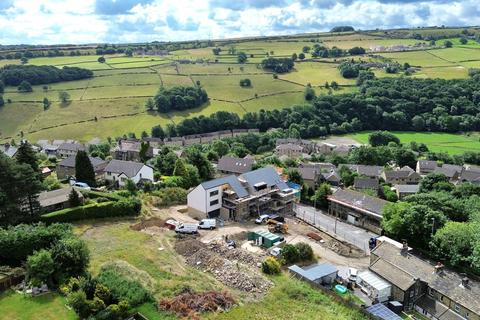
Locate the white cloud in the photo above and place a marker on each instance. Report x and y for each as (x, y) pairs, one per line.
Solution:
(74, 21)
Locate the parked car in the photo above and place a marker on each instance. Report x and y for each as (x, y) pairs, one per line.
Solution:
(276, 251)
(82, 185)
(261, 219)
(208, 224)
(352, 274)
(187, 228)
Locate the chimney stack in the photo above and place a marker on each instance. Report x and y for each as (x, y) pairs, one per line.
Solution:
(439, 267)
(465, 282)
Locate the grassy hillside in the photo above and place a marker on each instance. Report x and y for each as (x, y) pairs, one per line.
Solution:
(436, 142)
(112, 103)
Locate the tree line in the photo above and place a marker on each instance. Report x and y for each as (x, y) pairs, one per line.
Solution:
(402, 104)
(13, 75)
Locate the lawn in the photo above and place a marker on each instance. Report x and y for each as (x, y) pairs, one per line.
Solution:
(291, 299)
(14, 306)
(316, 73)
(436, 142)
(457, 54)
(418, 58)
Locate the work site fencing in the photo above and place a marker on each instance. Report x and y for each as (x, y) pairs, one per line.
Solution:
(334, 227)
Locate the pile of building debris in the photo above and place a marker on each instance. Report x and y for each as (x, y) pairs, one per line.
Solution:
(189, 304)
(233, 267)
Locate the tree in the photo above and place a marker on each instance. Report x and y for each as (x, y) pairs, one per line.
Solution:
(25, 154)
(242, 57)
(448, 44)
(71, 256)
(200, 161)
(216, 51)
(131, 187)
(179, 169)
(271, 266)
(46, 104)
(157, 132)
(290, 254)
(220, 147)
(434, 182)
(128, 52)
(245, 83)
(309, 93)
(74, 199)
(347, 176)
(19, 189)
(2, 102)
(294, 56)
(463, 40)
(306, 49)
(295, 176)
(382, 138)
(301, 56)
(101, 59)
(84, 171)
(150, 105)
(25, 86)
(321, 195)
(2, 87)
(305, 251)
(64, 97)
(356, 51)
(40, 267)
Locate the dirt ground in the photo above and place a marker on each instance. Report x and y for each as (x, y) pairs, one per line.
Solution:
(329, 249)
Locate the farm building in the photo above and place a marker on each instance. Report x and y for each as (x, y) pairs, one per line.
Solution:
(264, 238)
(323, 273)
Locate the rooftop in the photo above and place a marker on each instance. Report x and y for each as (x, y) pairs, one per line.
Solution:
(71, 146)
(49, 198)
(8, 149)
(407, 188)
(70, 162)
(315, 271)
(401, 269)
(235, 165)
(365, 183)
(359, 201)
(129, 168)
(232, 181)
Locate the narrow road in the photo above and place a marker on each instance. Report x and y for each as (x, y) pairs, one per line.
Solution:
(354, 235)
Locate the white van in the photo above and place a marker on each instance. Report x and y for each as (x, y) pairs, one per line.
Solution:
(208, 224)
(187, 228)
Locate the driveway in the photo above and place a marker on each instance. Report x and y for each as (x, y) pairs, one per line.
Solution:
(354, 235)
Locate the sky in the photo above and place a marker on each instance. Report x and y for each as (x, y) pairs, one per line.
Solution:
(123, 21)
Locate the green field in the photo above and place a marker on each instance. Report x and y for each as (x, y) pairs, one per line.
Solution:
(436, 142)
(50, 306)
(120, 87)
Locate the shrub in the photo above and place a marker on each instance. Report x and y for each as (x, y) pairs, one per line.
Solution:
(40, 267)
(170, 196)
(271, 266)
(290, 254)
(125, 207)
(305, 251)
(123, 288)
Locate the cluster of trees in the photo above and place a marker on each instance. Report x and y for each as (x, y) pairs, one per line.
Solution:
(382, 104)
(278, 65)
(19, 55)
(14, 75)
(52, 253)
(443, 220)
(324, 52)
(342, 29)
(177, 98)
(349, 70)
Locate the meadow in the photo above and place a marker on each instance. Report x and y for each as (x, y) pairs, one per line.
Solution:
(111, 103)
(436, 142)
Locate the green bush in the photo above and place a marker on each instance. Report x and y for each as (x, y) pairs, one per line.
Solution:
(97, 195)
(271, 266)
(170, 196)
(123, 288)
(290, 254)
(124, 207)
(305, 251)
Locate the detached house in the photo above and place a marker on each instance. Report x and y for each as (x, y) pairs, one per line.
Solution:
(9, 150)
(129, 150)
(118, 172)
(289, 150)
(451, 171)
(239, 197)
(429, 288)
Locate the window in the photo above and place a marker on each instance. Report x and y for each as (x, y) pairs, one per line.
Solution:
(467, 315)
(109, 173)
(214, 202)
(213, 193)
(456, 307)
(430, 292)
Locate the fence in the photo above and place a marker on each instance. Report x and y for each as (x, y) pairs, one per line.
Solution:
(334, 227)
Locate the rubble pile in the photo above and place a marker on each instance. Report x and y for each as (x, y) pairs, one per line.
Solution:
(232, 267)
(188, 304)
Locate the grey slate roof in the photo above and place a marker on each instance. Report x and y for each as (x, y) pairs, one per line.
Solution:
(49, 198)
(307, 173)
(365, 183)
(369, 171)
(427, 164)
(314, 272)
(449, 172)
(235, 165)
(230, 180)
(70, 162)
(71, 146)
(470, 176)
(401, 270)
(398, 174)
(359, 200)
(9, 150)
(407, 188)
(130, 168)
(289, 146)
(267, 175)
